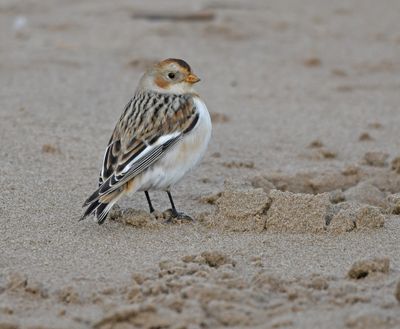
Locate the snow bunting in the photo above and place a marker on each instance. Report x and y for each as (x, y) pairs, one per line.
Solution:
(162, 133)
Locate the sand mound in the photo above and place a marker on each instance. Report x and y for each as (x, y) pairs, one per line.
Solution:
(209, 290)
(365, 192)
(200, 290)
(246, 209)
(19, 283)
(395, 165)
(211, 258)
(134, 217)
(240, 210)
(195, 293)
(364, 268)
(348, 216)
(141, 218)
(376, 159)
(68, 295)
(191, 292)
(386, 181)
(373, 186)
(309, 214)
(393, 204)
(397, 291)
(336, 201)
(318, 154)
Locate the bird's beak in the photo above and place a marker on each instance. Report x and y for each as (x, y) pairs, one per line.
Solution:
(192, 78)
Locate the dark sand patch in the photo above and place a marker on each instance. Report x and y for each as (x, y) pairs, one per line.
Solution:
(396, 165)
(393, 201)
(239, 164)
(365, 137)
(397, 291)
(364, 268)
(376, 159)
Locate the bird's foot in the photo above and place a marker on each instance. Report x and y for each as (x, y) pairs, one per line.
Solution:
(172, 214)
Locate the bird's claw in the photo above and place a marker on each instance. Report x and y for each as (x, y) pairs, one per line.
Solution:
(172, 214)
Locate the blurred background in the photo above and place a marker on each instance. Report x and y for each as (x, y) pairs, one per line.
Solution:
(276, 76)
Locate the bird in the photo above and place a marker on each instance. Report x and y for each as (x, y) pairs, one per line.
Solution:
(162, 133)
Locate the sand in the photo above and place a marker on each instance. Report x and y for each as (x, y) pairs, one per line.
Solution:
(296, 203)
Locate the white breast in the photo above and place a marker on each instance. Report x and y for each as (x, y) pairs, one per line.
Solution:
(182, 158)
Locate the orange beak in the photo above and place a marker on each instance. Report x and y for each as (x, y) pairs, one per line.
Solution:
(192, 78)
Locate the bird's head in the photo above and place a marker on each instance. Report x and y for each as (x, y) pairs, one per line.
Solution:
(169, 76)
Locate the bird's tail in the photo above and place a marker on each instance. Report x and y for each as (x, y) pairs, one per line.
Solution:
(101, 207)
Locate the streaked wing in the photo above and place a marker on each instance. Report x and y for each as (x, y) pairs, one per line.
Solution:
(150, 125)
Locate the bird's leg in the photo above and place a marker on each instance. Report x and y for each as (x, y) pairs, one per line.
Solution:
(173, 209)
(149, 202)
(174, 212)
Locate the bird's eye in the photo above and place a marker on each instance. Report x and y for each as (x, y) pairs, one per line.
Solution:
(171, 75)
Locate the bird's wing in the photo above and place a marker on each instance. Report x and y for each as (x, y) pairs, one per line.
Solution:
(149, 126)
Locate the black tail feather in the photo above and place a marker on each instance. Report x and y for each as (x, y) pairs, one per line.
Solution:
(102, 213)
(98, 209)
(102, 189)
(90, 200)
(91, 209)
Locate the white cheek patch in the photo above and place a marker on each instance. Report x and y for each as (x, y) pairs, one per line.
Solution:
(180, 88)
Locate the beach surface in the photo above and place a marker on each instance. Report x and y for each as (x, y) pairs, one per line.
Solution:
(296, 202)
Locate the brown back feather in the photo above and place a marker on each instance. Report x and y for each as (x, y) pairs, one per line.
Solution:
(147, 117)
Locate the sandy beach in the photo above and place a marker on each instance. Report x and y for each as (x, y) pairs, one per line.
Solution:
(296, 202)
